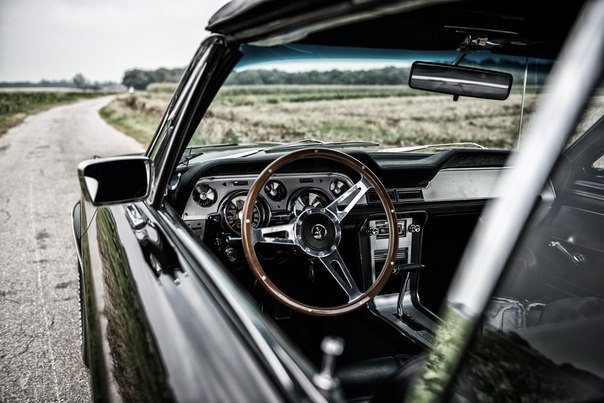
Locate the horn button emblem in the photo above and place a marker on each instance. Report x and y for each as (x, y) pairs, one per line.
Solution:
(318, 232)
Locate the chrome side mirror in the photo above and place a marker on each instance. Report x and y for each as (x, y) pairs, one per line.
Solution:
(115, 180)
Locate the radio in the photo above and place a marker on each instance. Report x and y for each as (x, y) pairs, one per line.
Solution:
(409, 241)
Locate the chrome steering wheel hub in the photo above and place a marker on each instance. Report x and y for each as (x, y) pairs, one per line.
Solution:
(317, 232)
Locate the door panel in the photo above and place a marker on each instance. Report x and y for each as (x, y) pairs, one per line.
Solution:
(157, 332)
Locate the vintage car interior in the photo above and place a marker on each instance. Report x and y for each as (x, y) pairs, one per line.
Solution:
(434, 222)
(342, 200)
(308, 201)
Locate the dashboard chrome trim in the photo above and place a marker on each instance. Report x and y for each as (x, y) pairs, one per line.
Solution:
(462, 184)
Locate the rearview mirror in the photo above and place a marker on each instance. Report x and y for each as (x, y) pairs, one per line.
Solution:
(460, 81)
(115, 180)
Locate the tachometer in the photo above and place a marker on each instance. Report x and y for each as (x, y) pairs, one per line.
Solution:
(308, 198)
(233, 211)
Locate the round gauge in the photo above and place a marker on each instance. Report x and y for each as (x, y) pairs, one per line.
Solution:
(275, 190)
(204, 195)
(337, 187)
(308, 198)
(233, 211)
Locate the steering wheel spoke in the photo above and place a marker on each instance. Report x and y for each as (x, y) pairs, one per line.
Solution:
(277, 235)
(352, 195)
(339, 271)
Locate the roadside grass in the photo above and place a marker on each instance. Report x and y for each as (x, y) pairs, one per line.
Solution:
(134, 115)
(16, 105)
(391, 115)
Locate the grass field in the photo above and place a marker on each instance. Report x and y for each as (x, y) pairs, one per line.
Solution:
(390, 115)
(15, 105)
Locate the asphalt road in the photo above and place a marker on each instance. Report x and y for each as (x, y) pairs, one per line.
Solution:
(39, 314)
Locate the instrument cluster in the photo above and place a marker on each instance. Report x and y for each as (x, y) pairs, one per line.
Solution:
(221, 198)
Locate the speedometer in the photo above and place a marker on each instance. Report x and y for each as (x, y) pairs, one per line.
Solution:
(308, 198)
(233, 212)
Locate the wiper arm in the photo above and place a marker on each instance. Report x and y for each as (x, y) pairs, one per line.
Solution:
(443, 146)
(330, 144)
(191, 152)
(295, 144)
(184, 159)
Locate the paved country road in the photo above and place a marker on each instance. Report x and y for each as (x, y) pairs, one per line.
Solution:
(39, 314)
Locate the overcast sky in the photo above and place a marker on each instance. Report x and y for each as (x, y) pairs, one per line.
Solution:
(56, 39)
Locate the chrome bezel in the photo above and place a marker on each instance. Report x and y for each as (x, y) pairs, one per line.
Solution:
(261, 205)
(300, 239)
(296, 195)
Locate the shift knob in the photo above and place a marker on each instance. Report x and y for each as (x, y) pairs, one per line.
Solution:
(332, 348)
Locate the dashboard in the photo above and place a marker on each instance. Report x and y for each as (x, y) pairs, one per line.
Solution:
(438, 199)
(285, 196)
(214, 208)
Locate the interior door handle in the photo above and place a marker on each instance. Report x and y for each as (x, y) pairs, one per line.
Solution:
(576, 258)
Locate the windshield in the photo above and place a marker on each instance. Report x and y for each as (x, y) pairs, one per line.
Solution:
(295, 92)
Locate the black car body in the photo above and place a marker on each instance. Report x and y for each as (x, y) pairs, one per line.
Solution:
(213, 267)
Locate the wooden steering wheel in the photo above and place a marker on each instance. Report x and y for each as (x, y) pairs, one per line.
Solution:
(317, 233)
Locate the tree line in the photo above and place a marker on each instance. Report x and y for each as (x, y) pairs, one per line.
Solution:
(391, 75)
(139, 79)
(384, 76)
(77, 82)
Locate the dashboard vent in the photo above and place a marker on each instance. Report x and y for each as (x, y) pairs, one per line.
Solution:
(404, 195)
(372, 196)
(396, 196)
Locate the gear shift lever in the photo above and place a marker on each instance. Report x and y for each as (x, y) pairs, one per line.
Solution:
(332, 348)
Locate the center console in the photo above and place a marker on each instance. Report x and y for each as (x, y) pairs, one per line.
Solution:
(374, 242)
(399, 303)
